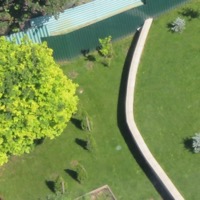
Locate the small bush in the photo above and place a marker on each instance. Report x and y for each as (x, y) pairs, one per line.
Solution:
(178, 25)
(86, 122)
(106, 50)
(82, 174)
(196, 143)
(106, 46)
(60, 185)
(90, 144)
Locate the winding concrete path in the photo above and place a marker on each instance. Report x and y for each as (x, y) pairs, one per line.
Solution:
(172, 190)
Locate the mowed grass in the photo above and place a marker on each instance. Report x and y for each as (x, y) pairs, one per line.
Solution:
(27, 177)
(167, 99)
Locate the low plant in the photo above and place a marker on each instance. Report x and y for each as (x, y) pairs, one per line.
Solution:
(60, 185)
(106, 49)
(178, 25)
(90, 143)
(86, 122)
(82, 174)
(196, 143)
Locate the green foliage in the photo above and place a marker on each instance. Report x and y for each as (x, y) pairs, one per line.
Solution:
(106, 46)
(91, 144)
(106, 49)
(18, 12)
(60, 185)
(196, 143)
(178, 25)
(86, 122)
(36, 98)
(82, 174)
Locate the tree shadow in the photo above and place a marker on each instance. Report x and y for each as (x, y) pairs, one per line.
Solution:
(39, 141)
(50, 185)
(85, 52)
(121, 119)
(72, 173)
(188, 144)
(76, 122)
(81, 143)
(190, 13)
(88, 56)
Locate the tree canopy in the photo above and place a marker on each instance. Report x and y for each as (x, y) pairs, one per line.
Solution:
(14, 14)
(36, 98)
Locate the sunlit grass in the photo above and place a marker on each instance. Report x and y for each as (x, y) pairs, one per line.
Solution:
(167, 99)
(27, 177)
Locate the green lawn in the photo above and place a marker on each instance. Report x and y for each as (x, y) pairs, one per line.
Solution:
(167, 99)
(25, 177)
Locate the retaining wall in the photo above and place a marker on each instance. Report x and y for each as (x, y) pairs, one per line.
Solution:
(172, 190)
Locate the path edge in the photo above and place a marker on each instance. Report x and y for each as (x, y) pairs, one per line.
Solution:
(157, 169)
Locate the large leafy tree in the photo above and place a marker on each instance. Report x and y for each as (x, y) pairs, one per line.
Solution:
(36, 98)
(15, 13)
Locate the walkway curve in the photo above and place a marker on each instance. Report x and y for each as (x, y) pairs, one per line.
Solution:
(172, 190)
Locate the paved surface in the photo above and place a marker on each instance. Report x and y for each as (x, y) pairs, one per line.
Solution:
(130, 118)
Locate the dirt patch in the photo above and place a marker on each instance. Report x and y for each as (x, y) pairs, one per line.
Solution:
(73, 74)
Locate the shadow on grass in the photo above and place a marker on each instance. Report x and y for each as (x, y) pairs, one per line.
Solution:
(76, 122)
(72, 173)
(190, 13)
(39, 141)
(88, 57)
(169, 27)
(121, 118)
(50, 185)
(188, 144)
(81, 143)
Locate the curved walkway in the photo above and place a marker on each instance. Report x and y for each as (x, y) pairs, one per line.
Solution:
(130, 118)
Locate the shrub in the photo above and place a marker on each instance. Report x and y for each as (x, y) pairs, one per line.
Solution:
(80, 170)
(178, 25)
(86, 122)
(90, 144)
(106, 49)
(60, 185)
(196, 143)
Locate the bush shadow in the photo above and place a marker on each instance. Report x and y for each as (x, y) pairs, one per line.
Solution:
(88, 57)
(188, 144)
(169, 27)
(81, 143)
(121, 119)
(50, 185)
(76, 122)
(73, 174)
